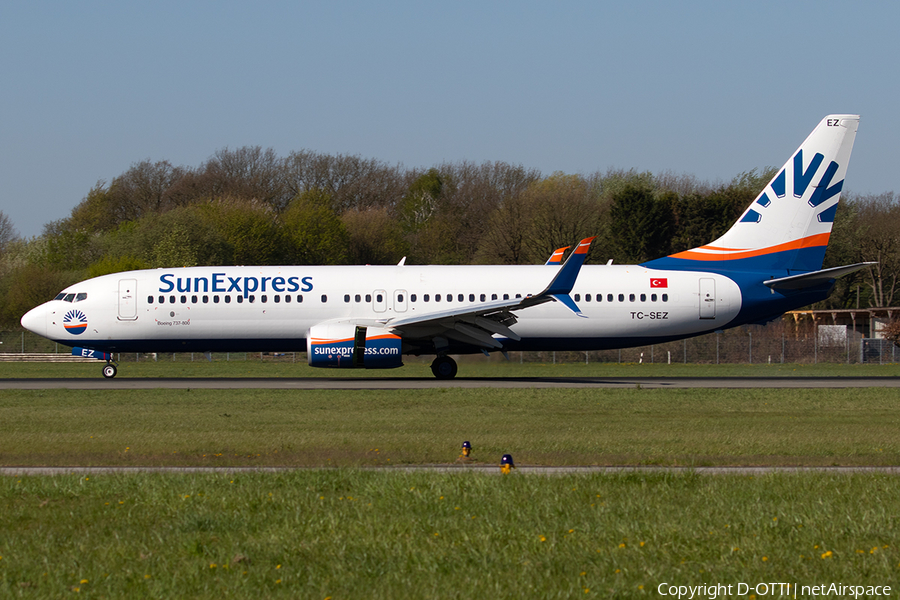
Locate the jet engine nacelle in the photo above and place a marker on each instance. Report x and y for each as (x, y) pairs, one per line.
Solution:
(348, 346)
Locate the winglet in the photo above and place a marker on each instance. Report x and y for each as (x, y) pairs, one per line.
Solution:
(564, 281)
(565, 278)
(556, 257)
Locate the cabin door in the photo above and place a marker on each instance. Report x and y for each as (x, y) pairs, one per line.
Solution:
(127, 299)
(707, 298)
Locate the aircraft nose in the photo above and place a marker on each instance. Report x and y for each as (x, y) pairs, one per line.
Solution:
(35, 320)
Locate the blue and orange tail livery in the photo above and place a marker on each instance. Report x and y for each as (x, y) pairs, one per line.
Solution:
(787, 227)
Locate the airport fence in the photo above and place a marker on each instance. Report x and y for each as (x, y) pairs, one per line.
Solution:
(778, 342)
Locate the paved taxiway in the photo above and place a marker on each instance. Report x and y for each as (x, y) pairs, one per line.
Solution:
(448, 468)
(407, 383)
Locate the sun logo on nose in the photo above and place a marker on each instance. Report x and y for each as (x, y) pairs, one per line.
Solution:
(75, 322)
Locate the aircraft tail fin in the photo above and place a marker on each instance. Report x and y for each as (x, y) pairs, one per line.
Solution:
(788, 226)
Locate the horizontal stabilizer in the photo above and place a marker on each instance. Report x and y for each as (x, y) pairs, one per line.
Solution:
(805, 280)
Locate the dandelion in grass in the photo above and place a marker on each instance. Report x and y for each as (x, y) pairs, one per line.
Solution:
(543, 539)
(828, 554)
(765, 558)
(83, 581)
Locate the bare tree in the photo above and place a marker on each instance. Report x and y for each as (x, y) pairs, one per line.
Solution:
(8, 233)
(878, 218)
(249, 173)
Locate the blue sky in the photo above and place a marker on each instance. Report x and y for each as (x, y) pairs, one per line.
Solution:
(706, 88)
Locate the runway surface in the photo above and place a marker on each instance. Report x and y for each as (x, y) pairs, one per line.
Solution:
(485, 469)
(408, 383)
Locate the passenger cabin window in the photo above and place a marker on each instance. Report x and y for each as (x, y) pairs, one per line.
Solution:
(643, 297)
(324, 298)
(149, 299)
(347, 298)
(665, 297)
(426, 297)
(263, 298)
(621, 297)
(461, 298)
(216, 299)
(227, 299)
(240, 299)
(193, 299)
(278, 298)
(357, 298)
(493, 296)
(412, 297)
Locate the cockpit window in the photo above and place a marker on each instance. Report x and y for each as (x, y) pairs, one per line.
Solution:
(80, 297)
(69, 298)
(60, 296)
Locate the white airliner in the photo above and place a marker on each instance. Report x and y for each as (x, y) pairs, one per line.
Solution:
(769, 262)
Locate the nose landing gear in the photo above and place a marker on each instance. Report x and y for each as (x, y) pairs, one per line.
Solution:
(109, 370)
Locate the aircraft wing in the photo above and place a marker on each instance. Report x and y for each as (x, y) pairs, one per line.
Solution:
(477, 323)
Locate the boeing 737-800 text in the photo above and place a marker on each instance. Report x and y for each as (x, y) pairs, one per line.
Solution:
(770, 261)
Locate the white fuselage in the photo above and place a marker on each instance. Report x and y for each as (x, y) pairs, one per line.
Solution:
(273, 308)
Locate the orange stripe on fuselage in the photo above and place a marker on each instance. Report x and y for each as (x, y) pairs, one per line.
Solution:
(812, 241)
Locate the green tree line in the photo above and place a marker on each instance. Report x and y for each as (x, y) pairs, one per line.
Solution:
(249, 206)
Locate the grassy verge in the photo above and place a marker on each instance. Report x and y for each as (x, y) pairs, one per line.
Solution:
(420, 367)
(537, 426)
(352, 534)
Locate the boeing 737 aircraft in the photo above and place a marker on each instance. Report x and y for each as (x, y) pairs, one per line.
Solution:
(769, 262)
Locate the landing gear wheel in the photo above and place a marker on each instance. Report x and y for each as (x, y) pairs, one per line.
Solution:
(109, 371)
(444, 367)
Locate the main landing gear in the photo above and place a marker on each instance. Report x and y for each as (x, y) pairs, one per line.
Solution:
(444, 367)
(109, 370)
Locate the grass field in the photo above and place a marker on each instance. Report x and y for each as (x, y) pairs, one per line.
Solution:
(689, 427)
(472, 366)
(356, 534)
(348, 532)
